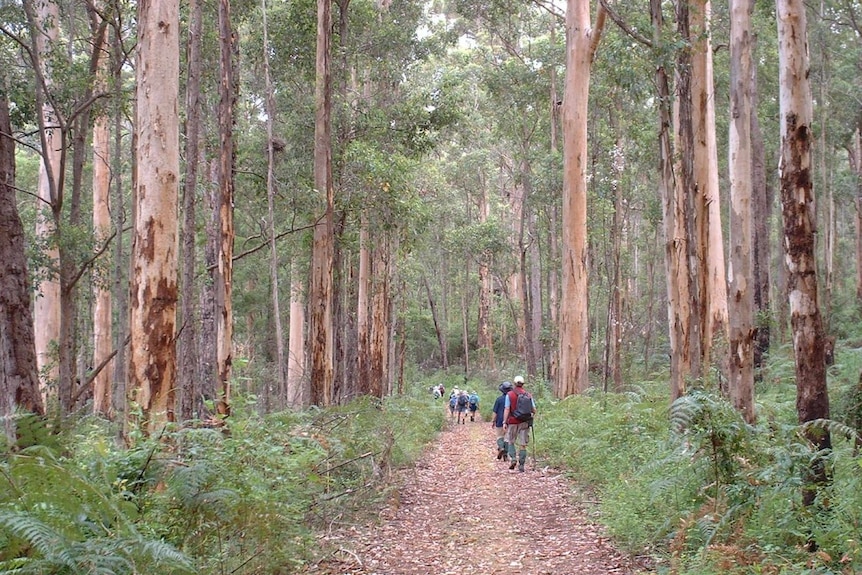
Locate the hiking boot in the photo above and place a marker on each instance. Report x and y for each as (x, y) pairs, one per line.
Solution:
(505, 456)
(521, 467)
(513, 464)
(500, 453)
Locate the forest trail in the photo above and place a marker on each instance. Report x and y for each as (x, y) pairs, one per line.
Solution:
(450, 518)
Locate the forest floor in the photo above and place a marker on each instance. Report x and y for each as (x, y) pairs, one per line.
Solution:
(453, 515)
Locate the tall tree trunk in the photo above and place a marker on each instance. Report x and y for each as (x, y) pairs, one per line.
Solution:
(553, 218)
(614, 339)
(761, 214)
(320, 303)
(438, 327)
(581, 43)
(797, 201)
(102, 319)
(280, 358)
(297, 392)
(827, 216)
(715, 315)
(535, 284)
(742, 331)
(190, 403)
(855, 155)
(528, 247)
(676, 237)
(19, 376)
(46, 310)
(693, 210)
(152, 353)
(484, 340)
(70, 271)
(120, 280)
(381, 305)
(207, 355)
(224, 285)
(102, 312)
(363, 289)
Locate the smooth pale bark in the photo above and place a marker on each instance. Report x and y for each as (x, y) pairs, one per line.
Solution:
(321, 326)
(710, 243)
(103, 345)
(19, 376)
(581, 43)
(46, 309)
(153, 305)
(297, 392)
(224, 284)
(740, 275)
(280, 356)
(191, 406)
(798, 216)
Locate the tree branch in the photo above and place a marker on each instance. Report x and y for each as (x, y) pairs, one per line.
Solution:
(634, 34)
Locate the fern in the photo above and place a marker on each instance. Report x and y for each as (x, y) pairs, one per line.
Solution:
(833, 427)
(42, 538)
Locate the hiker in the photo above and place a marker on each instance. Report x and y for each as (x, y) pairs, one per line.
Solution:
(453, 400)
(442, 390)
(518, 417)
(435, 390)
(461, 407)
(497, 422)
(474, 405)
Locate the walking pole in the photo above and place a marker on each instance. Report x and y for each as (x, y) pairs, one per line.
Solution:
(533, 433)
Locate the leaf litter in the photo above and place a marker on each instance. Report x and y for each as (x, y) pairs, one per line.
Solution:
(453, 515)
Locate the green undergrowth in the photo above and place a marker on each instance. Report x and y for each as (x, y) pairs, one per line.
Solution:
(250, 496)
(698, 491)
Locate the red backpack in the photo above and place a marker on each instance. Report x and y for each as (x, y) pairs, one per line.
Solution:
(520, 406)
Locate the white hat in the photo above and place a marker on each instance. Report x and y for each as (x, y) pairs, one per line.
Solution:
(519, 379)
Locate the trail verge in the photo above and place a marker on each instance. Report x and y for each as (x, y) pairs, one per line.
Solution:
(455, 514)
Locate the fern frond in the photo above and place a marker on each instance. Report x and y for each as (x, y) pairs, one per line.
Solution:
(42, 538)
(833, 427)
(166, 556)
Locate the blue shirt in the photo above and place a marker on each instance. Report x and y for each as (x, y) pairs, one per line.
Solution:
(499, 406)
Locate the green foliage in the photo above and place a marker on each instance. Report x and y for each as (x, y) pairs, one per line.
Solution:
(245, 498)
(55, 518)
(702, 491)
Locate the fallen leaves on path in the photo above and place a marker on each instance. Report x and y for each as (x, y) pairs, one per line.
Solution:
(460, 511)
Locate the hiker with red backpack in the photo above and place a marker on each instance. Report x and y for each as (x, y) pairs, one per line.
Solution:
(517, 419)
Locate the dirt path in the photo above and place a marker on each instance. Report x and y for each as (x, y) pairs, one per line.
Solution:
(451, 519)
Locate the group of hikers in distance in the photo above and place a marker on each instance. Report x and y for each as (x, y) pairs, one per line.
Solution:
(512, 417)
(460, 401)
